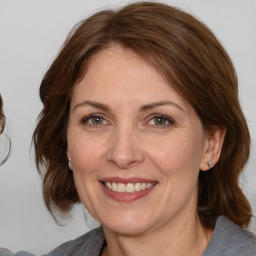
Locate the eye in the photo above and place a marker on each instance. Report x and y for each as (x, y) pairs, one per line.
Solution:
(94, 120)
(161, 120)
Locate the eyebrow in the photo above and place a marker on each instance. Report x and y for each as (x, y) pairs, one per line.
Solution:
(159, 104)
(92, 104)
(143, 108)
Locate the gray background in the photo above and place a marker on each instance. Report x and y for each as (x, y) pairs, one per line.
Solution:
(31, 32)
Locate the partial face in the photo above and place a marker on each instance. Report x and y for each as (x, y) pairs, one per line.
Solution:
(1, 115)
(135, 145)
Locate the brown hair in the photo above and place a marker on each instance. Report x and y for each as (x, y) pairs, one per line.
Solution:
(190, 57)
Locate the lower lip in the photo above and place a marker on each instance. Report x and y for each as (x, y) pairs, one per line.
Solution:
(126, 197)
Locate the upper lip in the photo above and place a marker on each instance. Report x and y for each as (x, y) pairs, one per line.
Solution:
(128, 180)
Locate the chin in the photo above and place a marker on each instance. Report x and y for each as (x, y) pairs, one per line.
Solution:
(127, 225)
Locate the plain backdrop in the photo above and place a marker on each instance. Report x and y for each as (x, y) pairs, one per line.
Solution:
(31, 33)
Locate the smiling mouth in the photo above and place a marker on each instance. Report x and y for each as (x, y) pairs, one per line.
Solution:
(129, 187)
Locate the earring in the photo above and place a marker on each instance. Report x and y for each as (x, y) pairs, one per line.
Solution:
(69, 163)
(209, 164)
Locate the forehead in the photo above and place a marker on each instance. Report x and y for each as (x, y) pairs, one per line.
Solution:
(120, 73)
(119, 58)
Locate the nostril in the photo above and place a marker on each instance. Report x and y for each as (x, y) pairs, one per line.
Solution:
(124, 162)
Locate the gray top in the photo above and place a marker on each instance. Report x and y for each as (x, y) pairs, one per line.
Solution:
(228, 240)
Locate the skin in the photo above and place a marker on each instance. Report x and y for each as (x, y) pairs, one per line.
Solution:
(128, 140)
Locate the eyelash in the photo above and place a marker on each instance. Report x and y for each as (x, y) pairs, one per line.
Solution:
(171, 122)
(85, 120)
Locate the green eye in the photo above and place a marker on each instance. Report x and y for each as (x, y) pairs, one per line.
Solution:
(94, 120)
(97, 120)
(160, 120)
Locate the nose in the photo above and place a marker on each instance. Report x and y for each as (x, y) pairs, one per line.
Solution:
(124, 150)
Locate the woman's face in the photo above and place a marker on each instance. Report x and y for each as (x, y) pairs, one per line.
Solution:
(136, 146)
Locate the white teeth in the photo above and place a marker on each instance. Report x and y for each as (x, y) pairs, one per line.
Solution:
(109, 185)
(137, 187)
(114, 186)
(120, 187)
(129, 187)
(149, 185)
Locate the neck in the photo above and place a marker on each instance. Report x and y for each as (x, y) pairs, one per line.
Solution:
(177, 238)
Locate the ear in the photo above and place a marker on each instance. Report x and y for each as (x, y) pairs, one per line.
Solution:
(212, 148)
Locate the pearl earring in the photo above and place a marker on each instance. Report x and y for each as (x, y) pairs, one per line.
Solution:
(209, 164)
(69, 163)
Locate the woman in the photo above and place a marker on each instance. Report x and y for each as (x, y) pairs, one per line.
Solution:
(3, 159)
(134, 127)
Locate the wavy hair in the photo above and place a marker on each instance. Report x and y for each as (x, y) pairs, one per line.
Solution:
(194, 62)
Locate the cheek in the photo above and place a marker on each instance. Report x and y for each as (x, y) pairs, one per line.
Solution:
(85, 154)
(177, 155)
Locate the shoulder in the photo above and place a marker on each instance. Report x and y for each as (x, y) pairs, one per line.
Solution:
(231, 240)
(6, 252)
(89, 244)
